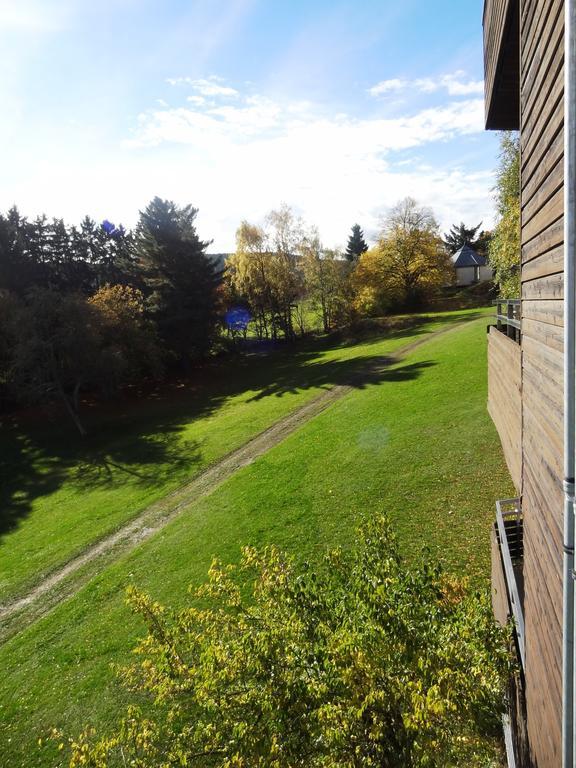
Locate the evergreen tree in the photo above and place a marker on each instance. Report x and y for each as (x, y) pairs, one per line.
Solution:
(179, 279)
(460, 235)
(356, 244)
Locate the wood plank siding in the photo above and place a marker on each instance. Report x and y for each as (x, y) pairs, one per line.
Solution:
(537, 467)
(501, 22)
(504, 399)
(542, 143)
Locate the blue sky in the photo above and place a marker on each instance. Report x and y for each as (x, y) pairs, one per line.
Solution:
(337, 108)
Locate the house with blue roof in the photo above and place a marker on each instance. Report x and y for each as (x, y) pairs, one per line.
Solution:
(470, 266)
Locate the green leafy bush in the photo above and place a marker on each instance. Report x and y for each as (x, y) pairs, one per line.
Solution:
(365, 661)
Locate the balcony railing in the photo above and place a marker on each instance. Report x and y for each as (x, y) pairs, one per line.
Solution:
(508, 318)
(509, 526)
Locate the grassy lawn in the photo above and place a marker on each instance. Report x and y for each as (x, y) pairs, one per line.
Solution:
(58, 493)
(417, 444)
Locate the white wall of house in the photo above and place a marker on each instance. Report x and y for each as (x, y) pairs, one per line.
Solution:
(471, 275)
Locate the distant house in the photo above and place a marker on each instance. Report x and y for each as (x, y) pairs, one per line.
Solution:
(470, 266)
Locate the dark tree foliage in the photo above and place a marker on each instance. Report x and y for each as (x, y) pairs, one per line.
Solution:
(356, 244)
(179, 280)
(460, 235)
(82, 307)
(50, 254)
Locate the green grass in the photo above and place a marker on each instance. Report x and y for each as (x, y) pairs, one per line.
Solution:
(417, 444)
(58, 493)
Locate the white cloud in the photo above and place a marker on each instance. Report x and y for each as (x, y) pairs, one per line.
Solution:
(386, 86)
(238, 160)
(454, 84)
(301, 126)
(205, 86)
(247, 156)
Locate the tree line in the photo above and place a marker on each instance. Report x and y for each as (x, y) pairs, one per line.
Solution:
(89, 308)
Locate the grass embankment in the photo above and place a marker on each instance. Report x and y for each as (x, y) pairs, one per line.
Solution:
(417, 444)
(58, 494)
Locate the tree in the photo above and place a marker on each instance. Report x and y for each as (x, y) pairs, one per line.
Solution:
(265, 271)
(504, 250)
(286, 236)
(55, 346)
(54, 349)
(179, 280)
(356, 244)
(362, 661)
(248, 276)
(460, 235)
(326, 279)
(127, 342)
(407, 266)
(373, 292)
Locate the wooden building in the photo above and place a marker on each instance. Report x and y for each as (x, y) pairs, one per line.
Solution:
(524, 89)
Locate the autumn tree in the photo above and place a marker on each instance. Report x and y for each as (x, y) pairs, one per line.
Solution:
(286, 237)
(265, 270)
(248, 275)
(364, 660)
(415, 263)
(373, 291)
(356, 244)
(408, 264)
(326, 280)
(128, 346)
(504, 250)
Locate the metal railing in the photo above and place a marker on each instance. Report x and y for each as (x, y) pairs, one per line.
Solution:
(509, 523)
(508, 318)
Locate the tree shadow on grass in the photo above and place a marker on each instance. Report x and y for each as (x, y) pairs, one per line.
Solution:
(140, 440)
(153, 460)
(35, 462)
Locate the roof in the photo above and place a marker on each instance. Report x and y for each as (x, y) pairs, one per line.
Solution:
(467, 257)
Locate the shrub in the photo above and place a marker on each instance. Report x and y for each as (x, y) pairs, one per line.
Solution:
(364, 661)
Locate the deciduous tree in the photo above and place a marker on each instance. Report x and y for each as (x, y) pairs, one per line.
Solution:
(364, 661)
(409, 263)
(326, 279)
(504, 250)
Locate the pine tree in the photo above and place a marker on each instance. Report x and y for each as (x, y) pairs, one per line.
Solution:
(460, 235)
(356, 244)
(179, 279)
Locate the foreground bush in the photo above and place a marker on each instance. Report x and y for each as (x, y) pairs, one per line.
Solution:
(363, 662)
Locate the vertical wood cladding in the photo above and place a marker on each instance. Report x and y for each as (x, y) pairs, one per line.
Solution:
(541, 106)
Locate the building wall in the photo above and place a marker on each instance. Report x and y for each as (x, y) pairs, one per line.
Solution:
(541, 114)
(466, 275)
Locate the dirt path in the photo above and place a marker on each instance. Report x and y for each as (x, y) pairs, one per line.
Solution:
(69, 578)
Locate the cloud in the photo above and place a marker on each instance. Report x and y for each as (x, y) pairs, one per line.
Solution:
(244, 157)
(238, 159)
(300, 125)
(453, 83)
(205, 87)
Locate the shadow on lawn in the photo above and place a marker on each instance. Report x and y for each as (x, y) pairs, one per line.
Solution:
(141, 441)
